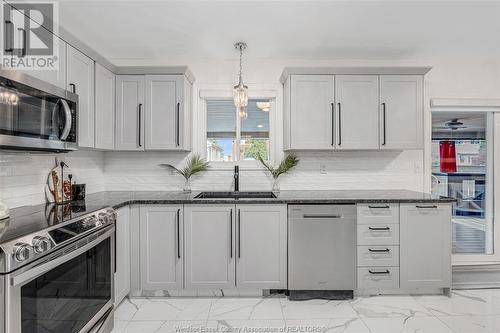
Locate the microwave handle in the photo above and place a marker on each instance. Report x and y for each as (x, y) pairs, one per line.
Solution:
(69, 120)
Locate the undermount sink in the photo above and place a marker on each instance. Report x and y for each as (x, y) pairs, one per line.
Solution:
(235, 195)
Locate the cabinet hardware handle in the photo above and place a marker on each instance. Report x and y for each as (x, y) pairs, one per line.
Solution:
(340, 123)
(333, 123)
(9, 45)
(231, 233)
(73, 88)
(140, 124)
(177, 126)
(178, 234)
(379, 229)
(383, 124)
(379, 250)
(427, 207)
(319, 216)
(379, 207)
(379, 272)
(239, 233)
(115, 246)
(22, 54)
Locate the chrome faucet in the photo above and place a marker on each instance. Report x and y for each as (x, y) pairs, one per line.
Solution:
(236, 178)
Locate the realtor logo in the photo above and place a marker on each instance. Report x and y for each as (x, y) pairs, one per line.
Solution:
(29, 32)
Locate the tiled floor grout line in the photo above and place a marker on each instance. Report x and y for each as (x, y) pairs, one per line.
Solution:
(360, 318)
(451, 329)
(282, 312)
(209, 311)
(366, 325)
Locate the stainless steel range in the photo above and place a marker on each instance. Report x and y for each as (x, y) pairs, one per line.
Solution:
(56, 270)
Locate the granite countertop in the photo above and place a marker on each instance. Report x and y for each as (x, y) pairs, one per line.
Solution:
(120, 199)
(26, 219)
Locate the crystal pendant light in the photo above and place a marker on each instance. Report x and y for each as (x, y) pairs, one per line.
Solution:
(240, 91)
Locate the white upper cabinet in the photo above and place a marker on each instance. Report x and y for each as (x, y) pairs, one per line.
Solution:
(80, 79)
(164, 111)
(310, 114)
(401, 119)
(353, 108)
(104, 108)
(153, 112)
(57, 75)
(129, 112)
(357, 102)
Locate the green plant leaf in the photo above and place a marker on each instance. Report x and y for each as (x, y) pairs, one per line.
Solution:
(288, 163)
(194, 165)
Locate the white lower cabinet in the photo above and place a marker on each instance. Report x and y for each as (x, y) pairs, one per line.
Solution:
(378, 246)
(425, 250)
(261, 246)
(161, 247)
(378, 234)
(378, 255)
(242, 246)
(122, 255)
(210, 246)
(378, 277)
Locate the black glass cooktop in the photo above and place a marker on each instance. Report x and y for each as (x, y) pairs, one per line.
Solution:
(30, 219)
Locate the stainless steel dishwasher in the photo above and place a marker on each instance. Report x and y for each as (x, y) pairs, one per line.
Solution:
(321, 251)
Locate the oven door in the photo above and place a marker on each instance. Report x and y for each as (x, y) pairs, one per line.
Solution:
(72, 290)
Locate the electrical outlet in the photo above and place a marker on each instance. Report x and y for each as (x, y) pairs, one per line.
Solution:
(322, 169)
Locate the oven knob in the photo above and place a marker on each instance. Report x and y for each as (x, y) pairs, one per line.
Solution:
(90, 221)
(112, 216)
(41, 244)
(22, 251)
(103, 218)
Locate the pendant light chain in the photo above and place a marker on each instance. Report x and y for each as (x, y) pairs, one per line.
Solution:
(241, 63)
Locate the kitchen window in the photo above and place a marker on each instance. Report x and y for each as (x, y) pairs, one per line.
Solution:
(234, 136)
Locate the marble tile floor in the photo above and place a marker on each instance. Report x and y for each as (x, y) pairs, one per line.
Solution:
(466, 311)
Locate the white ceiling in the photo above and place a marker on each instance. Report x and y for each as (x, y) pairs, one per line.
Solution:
(172, 30)
(472, 121)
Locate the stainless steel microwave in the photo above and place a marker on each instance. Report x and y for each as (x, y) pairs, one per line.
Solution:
(35, 115)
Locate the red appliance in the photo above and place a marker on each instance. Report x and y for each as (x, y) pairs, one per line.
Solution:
(447, 156)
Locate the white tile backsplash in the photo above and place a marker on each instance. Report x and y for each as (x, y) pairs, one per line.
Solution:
(344, 170)
(23, 176)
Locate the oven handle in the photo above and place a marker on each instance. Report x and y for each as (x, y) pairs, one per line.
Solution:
(69, 120)
(43, 268)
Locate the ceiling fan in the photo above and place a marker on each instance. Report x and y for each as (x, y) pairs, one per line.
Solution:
(453, 124)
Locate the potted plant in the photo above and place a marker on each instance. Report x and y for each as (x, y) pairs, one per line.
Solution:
(194, 165)
(288, 163)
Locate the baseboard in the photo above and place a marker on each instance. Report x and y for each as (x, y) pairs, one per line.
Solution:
(476, 276)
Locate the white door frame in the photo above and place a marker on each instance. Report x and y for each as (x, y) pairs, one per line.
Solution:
(492, 108)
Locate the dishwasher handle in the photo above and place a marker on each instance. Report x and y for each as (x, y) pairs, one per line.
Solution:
(322, 216)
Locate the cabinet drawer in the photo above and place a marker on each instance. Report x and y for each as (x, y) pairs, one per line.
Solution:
(378, 277)
(378, 213)
(378, 255)
(378, 234)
